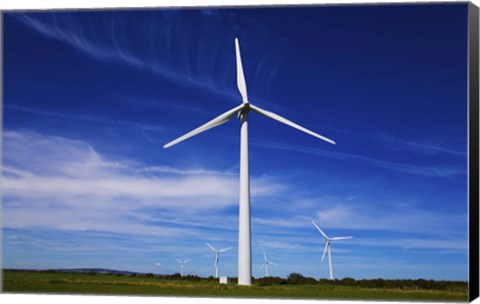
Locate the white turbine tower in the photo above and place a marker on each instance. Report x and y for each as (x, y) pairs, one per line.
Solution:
(242, 111)
(266, 263)
(327, 247)
(217, 256)
(182, 264)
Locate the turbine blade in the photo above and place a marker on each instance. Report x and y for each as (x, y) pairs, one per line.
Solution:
(186, 261)
(211, 247)
(263, 265)
(179, 261)
(324, 251)
(289, 123)
(265, 256)
(318, 228)
(225, 249)
(222, 118)
(341, 238)
(273, 263)
(242, 86)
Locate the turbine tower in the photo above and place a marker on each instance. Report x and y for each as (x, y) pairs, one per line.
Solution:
(327, 247)
(182, 264)
(266, 263)
(242, 111)
(217, 256)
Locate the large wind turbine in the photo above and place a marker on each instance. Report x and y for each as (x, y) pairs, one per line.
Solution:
(242, 111)
(182, 264)
(266, 263)
(327, 247)
(217, 256)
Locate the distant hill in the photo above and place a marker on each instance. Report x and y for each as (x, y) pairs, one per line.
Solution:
(85, 270)
(99, 271)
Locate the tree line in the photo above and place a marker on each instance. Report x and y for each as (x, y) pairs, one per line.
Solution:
(412, 284)
(297, 278)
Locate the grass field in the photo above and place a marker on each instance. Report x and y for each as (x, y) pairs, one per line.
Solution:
(75, 283)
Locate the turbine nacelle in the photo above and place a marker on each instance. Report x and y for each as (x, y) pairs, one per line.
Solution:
(243, 112)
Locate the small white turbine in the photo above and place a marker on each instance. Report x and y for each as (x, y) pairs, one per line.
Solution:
(217, 256)
(327, 247)
(242, 111)
(182, 264)
(266, 263)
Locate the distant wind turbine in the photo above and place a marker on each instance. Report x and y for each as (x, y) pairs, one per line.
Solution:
(182, 264)
(327, 247)
(266, 263)
(217, 256)
(242, 111)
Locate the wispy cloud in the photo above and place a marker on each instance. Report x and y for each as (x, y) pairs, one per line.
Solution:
(134, 252)
(348, 218)
(55, 182)
(401, 225)
(162, 50)
(62, 115)
(171, 170)
(151, 102)
(437, 171)
(427, 149)
(392, 143)
(406, 219)
(453, 244)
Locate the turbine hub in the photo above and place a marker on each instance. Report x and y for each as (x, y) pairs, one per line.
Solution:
(244, 111)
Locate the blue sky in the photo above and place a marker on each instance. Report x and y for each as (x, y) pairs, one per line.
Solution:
(90, 98)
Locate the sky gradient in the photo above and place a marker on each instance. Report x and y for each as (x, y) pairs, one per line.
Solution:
(91, 97)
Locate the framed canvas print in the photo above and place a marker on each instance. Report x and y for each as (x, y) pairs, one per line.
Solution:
(325, 152)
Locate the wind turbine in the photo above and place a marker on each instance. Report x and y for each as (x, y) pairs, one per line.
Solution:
(266, 263)
(217, 255)
(242, 111)
(327, 247)
(182, 264)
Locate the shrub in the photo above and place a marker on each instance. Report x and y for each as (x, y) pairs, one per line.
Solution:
(348, 281)
(295, 278)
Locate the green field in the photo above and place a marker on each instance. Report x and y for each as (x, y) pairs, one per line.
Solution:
(75, 283)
